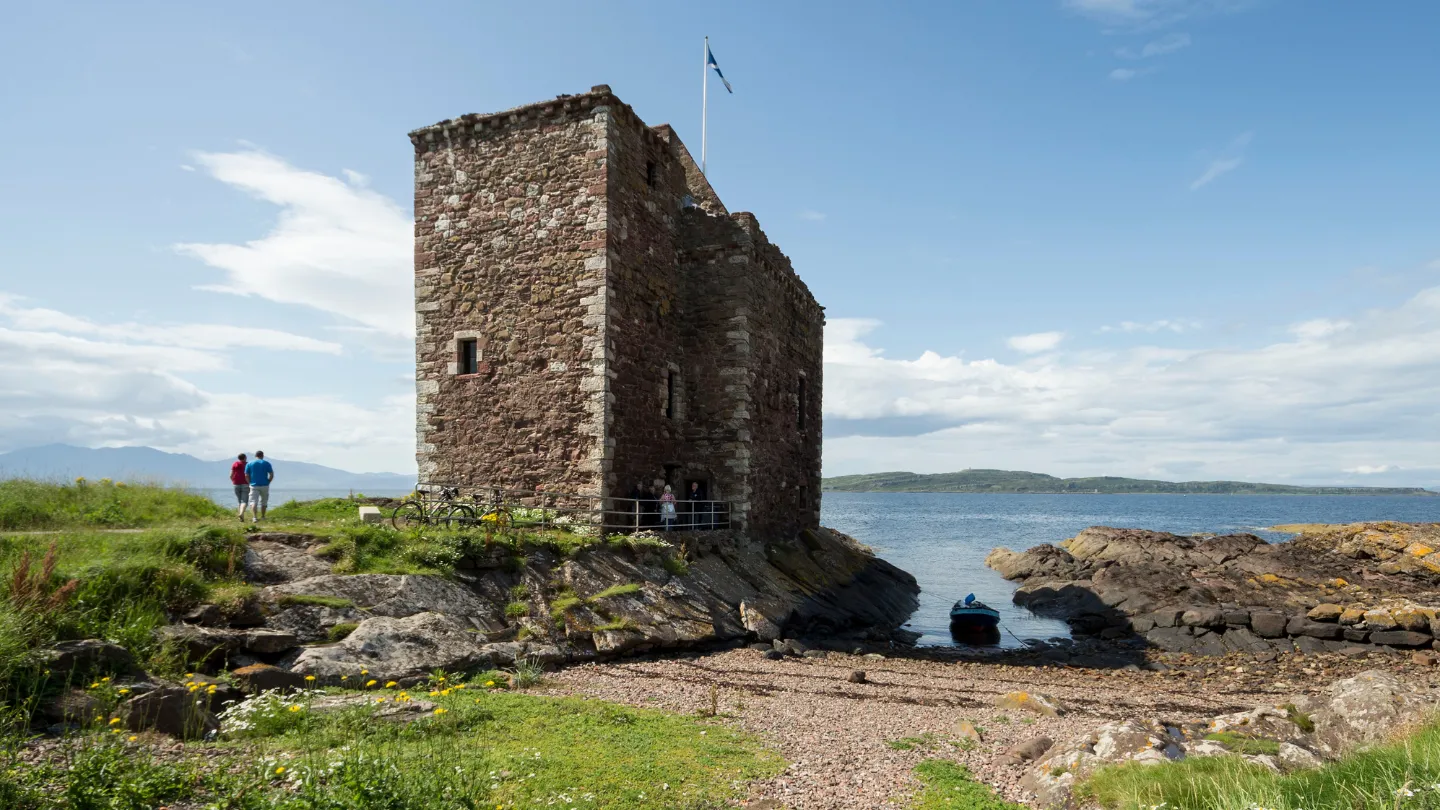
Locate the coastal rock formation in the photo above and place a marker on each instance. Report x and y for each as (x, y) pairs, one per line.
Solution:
(539, 604)
(1330, 588)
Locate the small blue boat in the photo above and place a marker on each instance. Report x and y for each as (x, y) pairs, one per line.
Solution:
(972, 614)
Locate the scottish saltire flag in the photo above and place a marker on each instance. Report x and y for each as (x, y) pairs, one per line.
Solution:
(715, 66)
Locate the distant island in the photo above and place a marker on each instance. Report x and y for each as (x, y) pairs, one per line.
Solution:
(64, 462)
(1008, 481)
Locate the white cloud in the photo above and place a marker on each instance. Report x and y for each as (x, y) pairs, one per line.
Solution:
(1164, 325)
(1165, 45)
(1366, 469)
(812, 216)
(1318, 329)
(1227, 161)
(1149, 14)
(336, 247)
(1305, 408)
(1038, 342)
(1124, 74)
(209, 336)
(70, 379)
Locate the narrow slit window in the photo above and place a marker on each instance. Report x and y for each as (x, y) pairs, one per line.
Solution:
(469, 356)
(801, 404)
(650, 174)
(669, 395)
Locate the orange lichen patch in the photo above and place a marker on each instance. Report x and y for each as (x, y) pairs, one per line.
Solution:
(1270, 578)
(1419, 550)
(1339, 582)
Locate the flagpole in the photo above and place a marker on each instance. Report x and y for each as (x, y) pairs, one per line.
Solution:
(704, 99)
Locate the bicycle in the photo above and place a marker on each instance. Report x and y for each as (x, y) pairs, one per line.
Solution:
(495, 515)
(420, 512)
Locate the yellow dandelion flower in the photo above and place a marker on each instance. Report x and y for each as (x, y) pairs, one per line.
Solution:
(114, 731)
(189, 674)
(123, 692)
(489, 683)
(380, 700)
(344, 677)
(211, 688)
(371, 682)
(280, 769)
(310, 678)
(441, 679)
(459, 686)
(434, 692)
(104, 680)
(440, 710)
(95, 685)
(391, 684)
(114, 721)
(364, 672)
(132, 738)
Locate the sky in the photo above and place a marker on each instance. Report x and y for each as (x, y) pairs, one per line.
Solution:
(1181, 239)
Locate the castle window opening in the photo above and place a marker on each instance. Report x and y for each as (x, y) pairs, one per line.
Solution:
(468, 361)
(650, 173)
(801, 405)
(669, 395)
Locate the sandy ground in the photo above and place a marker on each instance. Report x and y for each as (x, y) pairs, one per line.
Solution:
(835, 733)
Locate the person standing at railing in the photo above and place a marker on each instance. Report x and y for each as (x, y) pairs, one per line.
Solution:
(699, 507)
(667, 508)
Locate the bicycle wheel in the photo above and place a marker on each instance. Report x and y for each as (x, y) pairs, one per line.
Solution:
(408, 515)
(457, 515)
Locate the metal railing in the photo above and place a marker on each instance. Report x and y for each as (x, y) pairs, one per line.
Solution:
(497, 508)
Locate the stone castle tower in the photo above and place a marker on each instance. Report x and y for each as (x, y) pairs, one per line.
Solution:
(590, 316)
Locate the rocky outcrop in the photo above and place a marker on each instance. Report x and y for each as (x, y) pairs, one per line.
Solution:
(1330, 588)
(389, 649)
(1304, 732)
(602, 601)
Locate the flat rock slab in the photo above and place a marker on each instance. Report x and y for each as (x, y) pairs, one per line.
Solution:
(394, 649)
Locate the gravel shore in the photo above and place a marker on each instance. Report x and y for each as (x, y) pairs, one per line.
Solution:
(839, 736)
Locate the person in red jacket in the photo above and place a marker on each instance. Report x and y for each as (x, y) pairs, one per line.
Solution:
(242, 484)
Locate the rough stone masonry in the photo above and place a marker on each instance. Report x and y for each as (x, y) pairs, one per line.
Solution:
(589, 316)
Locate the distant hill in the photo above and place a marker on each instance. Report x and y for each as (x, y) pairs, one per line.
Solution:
(65, 462)
(1015, 482)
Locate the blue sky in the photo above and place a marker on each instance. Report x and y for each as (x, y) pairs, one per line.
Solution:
(1171, 238)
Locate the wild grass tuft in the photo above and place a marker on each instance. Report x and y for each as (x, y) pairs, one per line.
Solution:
(617, 590)
(341, 631)
(1243, 743)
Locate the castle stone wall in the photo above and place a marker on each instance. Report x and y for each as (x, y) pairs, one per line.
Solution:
(590, 259)
(510, 229)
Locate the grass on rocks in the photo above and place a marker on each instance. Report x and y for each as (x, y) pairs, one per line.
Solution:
(118, 587)
(1401, 775)
(27, 505)
(478, 746)
(949, 785)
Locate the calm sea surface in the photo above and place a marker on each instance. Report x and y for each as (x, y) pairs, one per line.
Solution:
(943, 538)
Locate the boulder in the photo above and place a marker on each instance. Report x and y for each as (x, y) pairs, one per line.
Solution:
(1294, 758)
(1052, 777)
(966, 730)
(1203, 617)
(264, 677)
(1031, 702)
(88, 655)
(1352, 616)
(1380, 619)
(1268, 624)
(269, 562)
(755, 620)
(392, 649)
(1171, 639)
(1267, 722)
(1364, 709)
(1029, 750)
(312, 623)
(1301, 626)
(400, 595)
(1400, 638)
(1411, 619)
(172, 710)
(1325, 612)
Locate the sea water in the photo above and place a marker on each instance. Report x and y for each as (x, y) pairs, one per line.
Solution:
(942, 538)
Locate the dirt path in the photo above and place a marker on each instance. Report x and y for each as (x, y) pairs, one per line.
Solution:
(836, 733)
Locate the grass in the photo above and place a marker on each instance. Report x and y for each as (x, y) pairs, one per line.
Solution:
(324, 510)
(1244, 744)
(1377, 778)
(27, 505)
(1305, 722)
(616, 590)
(124, 587)
(947, 785)
(317, 600)
(341, 631)
(517, 610)
(926, 740)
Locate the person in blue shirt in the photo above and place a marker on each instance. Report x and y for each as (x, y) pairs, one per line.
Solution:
(260, 474)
